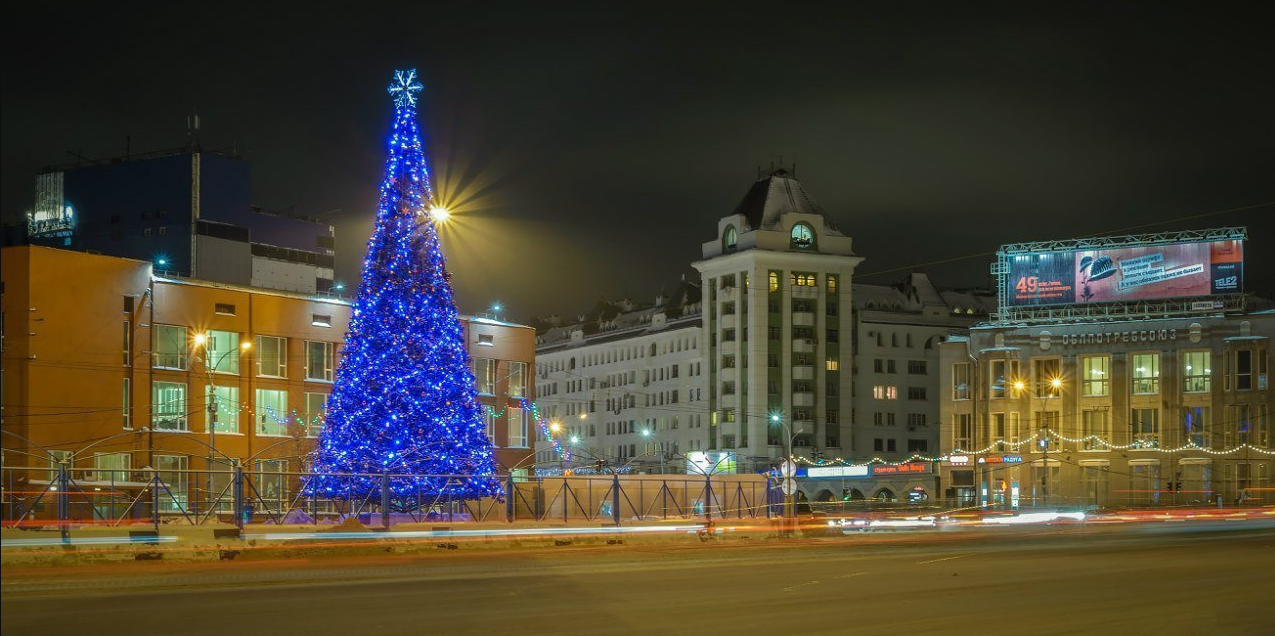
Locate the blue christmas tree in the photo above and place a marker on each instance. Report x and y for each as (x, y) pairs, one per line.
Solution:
(404, 401)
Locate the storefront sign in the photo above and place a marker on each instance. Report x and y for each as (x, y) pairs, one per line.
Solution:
(1001, 459)
(913, 468)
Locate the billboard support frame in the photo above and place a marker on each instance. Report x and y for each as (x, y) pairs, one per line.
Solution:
(1008, 314)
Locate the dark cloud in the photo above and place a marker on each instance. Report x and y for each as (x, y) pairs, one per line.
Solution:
(591, 153)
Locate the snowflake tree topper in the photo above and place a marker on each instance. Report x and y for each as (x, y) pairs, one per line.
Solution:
(404, 88)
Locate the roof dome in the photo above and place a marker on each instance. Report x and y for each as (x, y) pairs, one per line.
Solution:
(774, 195)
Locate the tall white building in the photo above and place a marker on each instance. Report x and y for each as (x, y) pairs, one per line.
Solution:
(777, 318)
(625, 384)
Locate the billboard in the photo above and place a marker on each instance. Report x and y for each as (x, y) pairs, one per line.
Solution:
(710, 463)
(1122, 274)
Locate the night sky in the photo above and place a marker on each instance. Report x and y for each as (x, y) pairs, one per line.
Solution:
(589, 154)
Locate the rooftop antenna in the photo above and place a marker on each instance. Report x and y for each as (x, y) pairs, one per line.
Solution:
(192, 130)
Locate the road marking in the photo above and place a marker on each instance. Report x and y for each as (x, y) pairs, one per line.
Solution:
(846, 576)
(793, 587)
(959, 556)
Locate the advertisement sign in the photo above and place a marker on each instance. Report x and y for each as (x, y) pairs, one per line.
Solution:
(816, 472)
(1180, 270)
(710, 463)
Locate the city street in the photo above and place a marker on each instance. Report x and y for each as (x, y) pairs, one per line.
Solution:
(1161, 578)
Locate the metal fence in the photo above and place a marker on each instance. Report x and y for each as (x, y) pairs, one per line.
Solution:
(68, 497)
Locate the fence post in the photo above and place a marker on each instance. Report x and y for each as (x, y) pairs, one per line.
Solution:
(510, 510)
(238, 494)
(64, 503)
(155, 486)
(615, 496)
(708, 496)
(385, 500)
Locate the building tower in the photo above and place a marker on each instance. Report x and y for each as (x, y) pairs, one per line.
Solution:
(777, 320)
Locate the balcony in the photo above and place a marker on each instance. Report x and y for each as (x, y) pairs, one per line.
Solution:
(803, 345)
(803, 372)
(803, 319)
(801, 291)
(727, 321)
(729, 401)
(728, 347)
(803, 399)
(727, 294)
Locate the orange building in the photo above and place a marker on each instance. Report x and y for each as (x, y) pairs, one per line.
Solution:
(113, 368)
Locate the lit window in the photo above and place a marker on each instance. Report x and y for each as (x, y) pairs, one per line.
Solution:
(517, 383)
(803, 279)
(1145, 425)
(272, 412)
(961, 381)
(803, 236)
(168, 406)
(170, 347)
(226, 413)
(774, 281)
(1146, 373)
(112, 467)
(1096, 376)
(222, 352)
(316, 412)
(1196, 372)
(485, 375)
(517, 428)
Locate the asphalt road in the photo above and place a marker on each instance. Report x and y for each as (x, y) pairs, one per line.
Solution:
(1144, 579)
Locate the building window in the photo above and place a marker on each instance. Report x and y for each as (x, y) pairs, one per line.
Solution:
(226, 407)
(489, 419)
(1197, 424)
(112, 467)
(128, 343)
(963, 432)
(1004, 378)
(1093, 483)
(272, 357)
(917, 367)
(126, 403)
(222, 352)
(916, 420)
(1095, 376)
(803, 279)
(517, 428)
(1146, 481)
(1146, 373)
(168, 409)
(1048, 373)
(486, 340)
(170, 347)
(171, 471)
(803, 236)
(961, 381)
(517, 379)
(1195, 372)
(320, 360)
(832, 364)
(918, 446)
(1145, 425)
(320, 320)
(916, 393)
(730, 239)
(272, 412)
(832, 284)
(272, 483)
(773, 281)
(316, 412)
(1095, 429)
(485, 375)
(225, 309)
(885, 392)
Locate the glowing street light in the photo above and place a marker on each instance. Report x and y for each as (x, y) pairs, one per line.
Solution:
(555, 427)
(201, 339)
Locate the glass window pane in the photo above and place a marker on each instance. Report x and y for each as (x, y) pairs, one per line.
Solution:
(170, 347)
(272, 412)
(168, 406)
(1146, 373)
(272, 356)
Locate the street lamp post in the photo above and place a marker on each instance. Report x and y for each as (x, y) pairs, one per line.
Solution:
(790, 511)
(202, 340)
